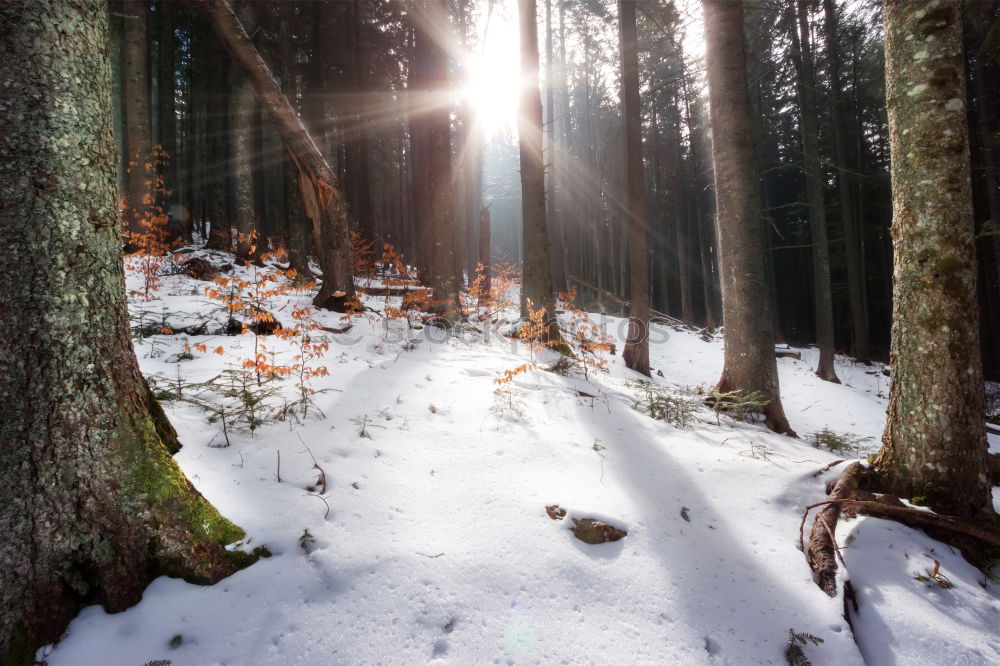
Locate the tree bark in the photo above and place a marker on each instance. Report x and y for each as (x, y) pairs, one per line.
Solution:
(934, 443)
(324, 203)
(139, 198)
(537, 264)
(92, 505)
(636, 354)
(749, 363)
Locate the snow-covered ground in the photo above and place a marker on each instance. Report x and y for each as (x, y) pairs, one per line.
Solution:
(437, 547)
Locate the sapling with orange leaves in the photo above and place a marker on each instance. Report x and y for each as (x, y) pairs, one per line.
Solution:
(152, 243)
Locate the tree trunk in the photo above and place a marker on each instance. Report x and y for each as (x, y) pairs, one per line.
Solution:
(678, 204)
(749, 363)
(485, 254)
(636, 354)
(167, 168)
(216, 177)
(139, 192)
(815, 205)
(934, 443)
(554, 222)
(324, 203)
(537, 265)
(296, 221)
(436, 214)
(92, 505)
(855, 267)
(244, 110)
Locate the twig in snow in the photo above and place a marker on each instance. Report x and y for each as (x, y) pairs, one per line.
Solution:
(327, 514)
(430, 556)
(320, 486)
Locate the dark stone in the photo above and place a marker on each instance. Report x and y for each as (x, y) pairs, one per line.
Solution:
(593, 531)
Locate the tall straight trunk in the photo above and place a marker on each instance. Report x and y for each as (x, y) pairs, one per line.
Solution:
(167, 168)
(852, 248)
(749, 361)
(704, 219)
(555, 224)
(636, 354)
(217, 175)
(436, 214)
(822, 290)
(295, 220)
(485, 253)
(419, 99)
(678, 204)
(934, 443)
(244, 110)
(537, 264)
(139, 197)
(323, 202)
(92, 505)
(358, 162)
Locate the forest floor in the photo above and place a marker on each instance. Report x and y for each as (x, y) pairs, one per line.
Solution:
(431, 542)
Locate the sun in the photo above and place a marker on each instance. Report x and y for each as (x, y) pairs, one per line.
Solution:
(494, 83)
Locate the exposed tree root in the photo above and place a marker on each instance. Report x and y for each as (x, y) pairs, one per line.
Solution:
(822, 551)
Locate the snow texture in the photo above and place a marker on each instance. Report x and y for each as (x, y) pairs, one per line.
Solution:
(437, 547)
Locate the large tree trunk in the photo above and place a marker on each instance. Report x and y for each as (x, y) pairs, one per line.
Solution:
(934, 443)
(816, 207)
(636, 353)
(92, 506)
(324, 203)
(852, 248)
(749, 363)
(139, 198)
(436, 202)
(537, 265)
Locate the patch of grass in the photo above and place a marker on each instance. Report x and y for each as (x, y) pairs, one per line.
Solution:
(740, 405)
(663, 404)
(840, 443)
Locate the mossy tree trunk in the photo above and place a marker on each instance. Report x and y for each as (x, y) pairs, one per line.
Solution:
(749, 362)
(934, 443)
(92, 505)
(636, 352)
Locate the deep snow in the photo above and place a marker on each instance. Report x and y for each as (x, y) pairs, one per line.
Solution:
(437, 546)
